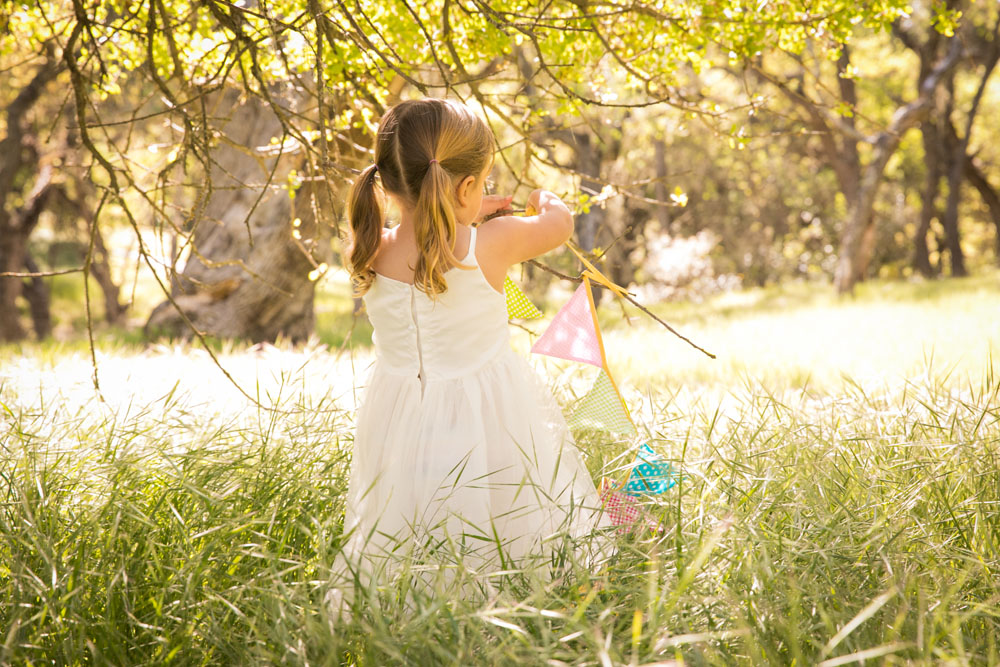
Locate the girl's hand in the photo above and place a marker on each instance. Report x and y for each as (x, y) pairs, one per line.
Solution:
(508, 240)
(494, 204)
(531, 207)
(540, 200)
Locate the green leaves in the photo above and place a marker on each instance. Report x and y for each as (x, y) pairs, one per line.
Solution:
(369, 43)
(945, 20)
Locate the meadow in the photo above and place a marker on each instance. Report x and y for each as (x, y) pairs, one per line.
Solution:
(839, 500)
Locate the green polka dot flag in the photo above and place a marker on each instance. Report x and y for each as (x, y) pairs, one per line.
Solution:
(602, 409)
(518, 306)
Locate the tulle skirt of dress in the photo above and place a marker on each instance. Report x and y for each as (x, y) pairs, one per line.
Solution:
(479, 468)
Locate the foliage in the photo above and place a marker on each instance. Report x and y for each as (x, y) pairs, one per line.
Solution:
(330, 70)
(744, 162)
(197, 43)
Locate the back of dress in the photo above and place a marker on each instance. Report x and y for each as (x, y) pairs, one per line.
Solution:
(443, 338)
(458, 443)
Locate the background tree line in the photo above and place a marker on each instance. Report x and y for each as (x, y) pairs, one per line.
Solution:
(817, 139)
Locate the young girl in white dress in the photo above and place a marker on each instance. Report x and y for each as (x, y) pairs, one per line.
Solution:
(460, 450)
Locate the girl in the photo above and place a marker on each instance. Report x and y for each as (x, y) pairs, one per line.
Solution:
(459, 449)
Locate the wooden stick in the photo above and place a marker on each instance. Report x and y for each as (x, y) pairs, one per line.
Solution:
(627, 297)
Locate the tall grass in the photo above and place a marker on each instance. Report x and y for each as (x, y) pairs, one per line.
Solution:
(829, 524)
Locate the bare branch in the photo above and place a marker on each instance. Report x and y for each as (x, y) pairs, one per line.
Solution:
(628, 298)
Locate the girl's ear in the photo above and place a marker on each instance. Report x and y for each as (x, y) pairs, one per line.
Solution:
(465, 190)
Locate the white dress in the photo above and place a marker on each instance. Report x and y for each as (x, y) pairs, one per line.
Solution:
(459, 447)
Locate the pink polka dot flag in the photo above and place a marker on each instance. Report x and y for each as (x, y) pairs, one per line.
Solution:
(572, 334)
(624, 510)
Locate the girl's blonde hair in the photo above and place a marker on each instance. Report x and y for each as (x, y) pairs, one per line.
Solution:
(423, 149)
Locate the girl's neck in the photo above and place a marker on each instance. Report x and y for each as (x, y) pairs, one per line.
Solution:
(405, 221)
(405, 225)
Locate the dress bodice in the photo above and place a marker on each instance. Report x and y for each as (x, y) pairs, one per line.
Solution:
(443, 338)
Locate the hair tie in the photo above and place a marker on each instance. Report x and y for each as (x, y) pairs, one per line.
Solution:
(375, 168)
(433, 160)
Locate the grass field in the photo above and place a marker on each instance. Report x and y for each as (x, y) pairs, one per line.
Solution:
(840, 499)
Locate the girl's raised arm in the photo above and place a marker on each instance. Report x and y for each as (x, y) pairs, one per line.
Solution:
(508, 240)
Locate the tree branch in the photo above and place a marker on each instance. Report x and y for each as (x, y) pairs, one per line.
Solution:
(627, 297)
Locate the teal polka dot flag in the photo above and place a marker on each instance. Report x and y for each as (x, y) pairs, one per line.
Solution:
(602, 408)
(651, 474)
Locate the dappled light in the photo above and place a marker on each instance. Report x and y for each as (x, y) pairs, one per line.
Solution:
(264, 401)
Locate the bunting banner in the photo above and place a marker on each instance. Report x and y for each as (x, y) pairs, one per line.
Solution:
(573, 333)
(651, 474)
(518, 305)
(603, 408)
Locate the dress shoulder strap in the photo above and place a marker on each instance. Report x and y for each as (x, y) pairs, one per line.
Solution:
(471, 255)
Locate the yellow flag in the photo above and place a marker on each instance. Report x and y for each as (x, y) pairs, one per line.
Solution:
(518, 305)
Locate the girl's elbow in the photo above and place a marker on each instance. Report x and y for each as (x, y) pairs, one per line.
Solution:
(566, 227)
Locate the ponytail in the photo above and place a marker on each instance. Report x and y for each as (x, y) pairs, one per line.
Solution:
(434, 226)
(364, 213)
(421, 148)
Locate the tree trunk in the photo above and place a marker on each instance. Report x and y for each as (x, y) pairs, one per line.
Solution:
(39, 304)
(990, 197)
(932, 160)
(100, 268)
(854, 251)
(949, 220)
(958, 162)
(846, 159)
(247, 276)
(12, 250)
(588, 162)
(619, 234)
(853, 259)
(621, 268)
(14, 233)
(18, 153)
(953, 163)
